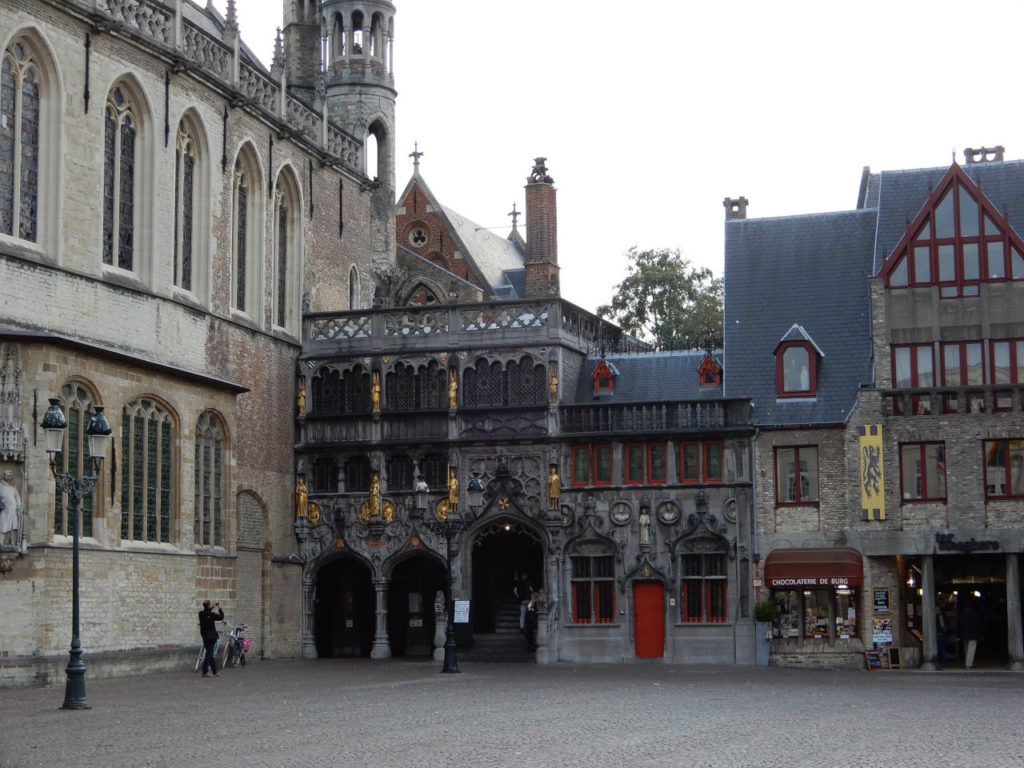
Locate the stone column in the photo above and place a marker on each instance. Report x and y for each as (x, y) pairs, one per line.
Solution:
(930, 647)
(381, 644)
(440, 622)
(1014, 641)
(308, 630)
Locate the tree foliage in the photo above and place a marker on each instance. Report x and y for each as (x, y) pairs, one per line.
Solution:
(667, 301)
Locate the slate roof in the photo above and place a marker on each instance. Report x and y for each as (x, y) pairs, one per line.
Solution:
(649, 377)
(900, 195)
(811, 271)
(490, 253)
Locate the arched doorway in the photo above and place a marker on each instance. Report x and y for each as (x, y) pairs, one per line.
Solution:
(413, 585)
(500, 550)
(343, 609)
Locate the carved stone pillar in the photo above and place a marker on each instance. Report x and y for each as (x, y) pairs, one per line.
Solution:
(381, 644)
(308, 630)
(440, 620)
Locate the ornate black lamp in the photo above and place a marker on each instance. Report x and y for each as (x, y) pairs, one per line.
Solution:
(98, 434)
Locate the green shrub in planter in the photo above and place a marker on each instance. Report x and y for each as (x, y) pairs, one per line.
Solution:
(765, 611)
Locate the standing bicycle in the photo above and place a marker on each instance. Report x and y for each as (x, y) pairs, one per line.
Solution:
(236, 645)
(208, 618)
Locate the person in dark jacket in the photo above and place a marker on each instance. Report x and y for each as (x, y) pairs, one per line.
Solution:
(208, 618)
(968, 628)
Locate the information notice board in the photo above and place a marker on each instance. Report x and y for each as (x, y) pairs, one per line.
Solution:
(880, 597)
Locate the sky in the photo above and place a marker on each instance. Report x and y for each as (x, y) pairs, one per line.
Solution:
(650, 120)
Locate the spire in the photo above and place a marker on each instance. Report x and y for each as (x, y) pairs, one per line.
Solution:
(278, 62)
(515, 216)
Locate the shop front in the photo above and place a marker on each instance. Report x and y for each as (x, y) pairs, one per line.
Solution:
(817, 593)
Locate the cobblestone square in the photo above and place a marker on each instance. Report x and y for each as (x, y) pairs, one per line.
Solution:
(401, 713)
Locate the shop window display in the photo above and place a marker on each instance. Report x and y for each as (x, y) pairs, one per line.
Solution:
(809, 613)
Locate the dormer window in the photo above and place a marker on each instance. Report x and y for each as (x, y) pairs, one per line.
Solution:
(604, 379)
(710, 373)
(796, 370)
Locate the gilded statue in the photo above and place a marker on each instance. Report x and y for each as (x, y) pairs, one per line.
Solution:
(371, 507)
(300, 498)
(553, 488)
(375, 393)
(453, 388)
(300, 398)
(553, 388)
(453, 490)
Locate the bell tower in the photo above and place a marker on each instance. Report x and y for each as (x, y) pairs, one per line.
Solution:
(341, 53)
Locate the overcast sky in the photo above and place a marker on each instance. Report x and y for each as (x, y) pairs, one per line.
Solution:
(649, 120)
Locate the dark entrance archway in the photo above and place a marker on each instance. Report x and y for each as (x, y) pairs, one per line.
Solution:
(500, 550)
(979, 581)
(414, 584)
(343, 609)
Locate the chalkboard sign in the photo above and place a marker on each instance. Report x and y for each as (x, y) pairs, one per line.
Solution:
(894, 659)
(873, 659)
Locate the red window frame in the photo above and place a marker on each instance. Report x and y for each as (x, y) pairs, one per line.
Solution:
(1004, 454)
(631, 478)
(593, 596)
(1014, 370)
(922, 457)
(811, 389)
(704, 590)
(960, 374)
(652, 479)
(602, 448)
(577, 464)
(798, 499)
(604, 381)
(919, 403)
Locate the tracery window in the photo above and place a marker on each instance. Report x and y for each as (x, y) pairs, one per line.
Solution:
(184, 206)
(74, 460)
(435, 471)
(241, 238)
(482, 385)
(119, 138)
(209, 474)
(400, 470)
(336, 393)
(325, 475)
(147, 471)
(423, 388)
(281, 292)
(20, 80)
(357, 474)
(527, 383)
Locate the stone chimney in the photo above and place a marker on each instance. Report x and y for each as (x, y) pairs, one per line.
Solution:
(735, 208)
(984, 155)
(541, 233)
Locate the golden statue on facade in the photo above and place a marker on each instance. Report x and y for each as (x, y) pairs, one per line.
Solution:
(300, 498)
(375, 392)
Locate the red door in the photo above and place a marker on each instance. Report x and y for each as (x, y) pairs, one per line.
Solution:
(649, 619)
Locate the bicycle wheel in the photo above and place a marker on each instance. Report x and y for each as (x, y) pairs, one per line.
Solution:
(199, 658)
(230, 660)
(241, 659)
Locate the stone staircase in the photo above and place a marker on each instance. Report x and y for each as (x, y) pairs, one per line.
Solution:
(506, 644)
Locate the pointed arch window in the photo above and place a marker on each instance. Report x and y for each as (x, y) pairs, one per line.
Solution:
(354, 288)
(119, 139)
(958, 242)
(147, 472)
(74, 460)
(19, 142)
(209, 490)
(241, 236)
(184, 206)
(284, 216)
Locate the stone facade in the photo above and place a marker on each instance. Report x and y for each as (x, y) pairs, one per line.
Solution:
(183, 357)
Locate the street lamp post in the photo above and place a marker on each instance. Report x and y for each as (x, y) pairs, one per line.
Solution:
(98, 433)
(451, 526)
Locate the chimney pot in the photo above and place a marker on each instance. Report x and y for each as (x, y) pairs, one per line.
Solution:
(735, 208)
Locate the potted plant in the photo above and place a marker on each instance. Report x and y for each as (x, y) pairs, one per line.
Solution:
(764, 614)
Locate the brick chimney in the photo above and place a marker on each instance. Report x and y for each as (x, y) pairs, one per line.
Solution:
(541, 233)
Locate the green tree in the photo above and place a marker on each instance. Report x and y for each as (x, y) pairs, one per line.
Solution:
(667, 301)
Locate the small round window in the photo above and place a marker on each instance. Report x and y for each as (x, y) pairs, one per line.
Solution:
(418, 237)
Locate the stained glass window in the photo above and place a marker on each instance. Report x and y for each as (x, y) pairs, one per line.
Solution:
(282, 261)
(146, 472)
(241, 234)
(119, 180)
(209, 470)
(19, 143)
(184, 211)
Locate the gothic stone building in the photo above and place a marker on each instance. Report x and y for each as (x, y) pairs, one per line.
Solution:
(168, 210)
(621, 484)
